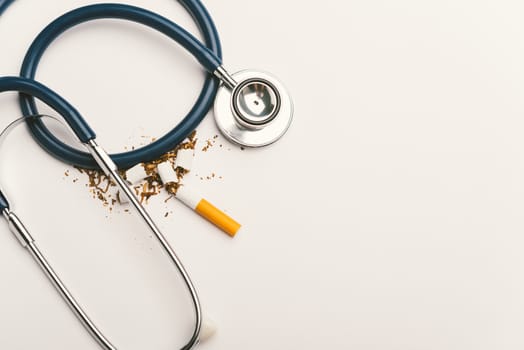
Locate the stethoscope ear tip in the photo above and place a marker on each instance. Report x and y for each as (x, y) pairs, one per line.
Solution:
(256, 111)
(207, 330)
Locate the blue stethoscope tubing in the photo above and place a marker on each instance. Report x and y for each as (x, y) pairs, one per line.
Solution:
(208, 54)
(4, 4)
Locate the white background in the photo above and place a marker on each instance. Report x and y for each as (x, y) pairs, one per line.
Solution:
(389, 217)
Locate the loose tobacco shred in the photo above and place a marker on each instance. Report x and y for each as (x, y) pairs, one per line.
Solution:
(210, 143)
(99, 184)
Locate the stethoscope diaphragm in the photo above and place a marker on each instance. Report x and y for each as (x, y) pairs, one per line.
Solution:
(256, 111)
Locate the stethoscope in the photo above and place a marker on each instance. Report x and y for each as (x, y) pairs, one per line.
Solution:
(251, 108)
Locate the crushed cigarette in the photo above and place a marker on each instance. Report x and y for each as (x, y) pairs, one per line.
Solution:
(167, 173)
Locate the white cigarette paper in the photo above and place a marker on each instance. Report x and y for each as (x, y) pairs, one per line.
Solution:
(167, 173)
(136, 174)
(184, 159)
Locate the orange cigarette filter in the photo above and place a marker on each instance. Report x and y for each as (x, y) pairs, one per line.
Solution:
(208, 211)
(217, 217)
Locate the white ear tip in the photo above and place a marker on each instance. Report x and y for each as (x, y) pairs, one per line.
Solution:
(209, 328)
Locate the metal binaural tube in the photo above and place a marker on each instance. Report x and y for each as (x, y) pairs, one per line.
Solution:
(68, 297)
(26, 240)
(110, 169)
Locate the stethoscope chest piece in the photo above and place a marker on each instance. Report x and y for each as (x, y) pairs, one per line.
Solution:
(256, 111)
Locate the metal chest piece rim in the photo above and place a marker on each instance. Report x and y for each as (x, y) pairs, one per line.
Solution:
(253, 108)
